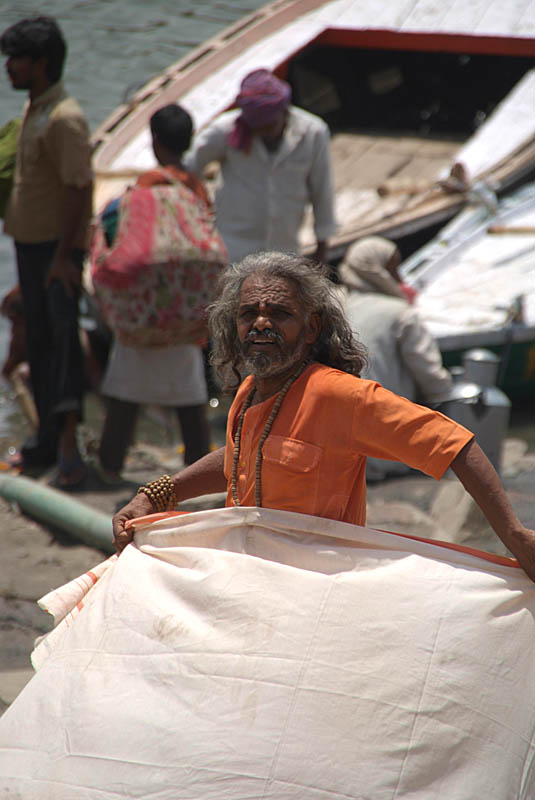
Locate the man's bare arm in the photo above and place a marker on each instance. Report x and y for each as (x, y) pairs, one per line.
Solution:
(205, 476)
(479, 478)
(321, 252)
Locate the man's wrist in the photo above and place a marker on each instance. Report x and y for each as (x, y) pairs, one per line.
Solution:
(161, 493)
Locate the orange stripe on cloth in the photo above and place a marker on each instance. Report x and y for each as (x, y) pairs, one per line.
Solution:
(505, 561)
(131, 523)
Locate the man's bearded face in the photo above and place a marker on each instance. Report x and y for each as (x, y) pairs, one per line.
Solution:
(264, 354)
(274, 331)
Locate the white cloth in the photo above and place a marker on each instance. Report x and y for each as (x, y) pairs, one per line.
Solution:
(403, 357)
(245, 653)
(261, 200)
(165, 376)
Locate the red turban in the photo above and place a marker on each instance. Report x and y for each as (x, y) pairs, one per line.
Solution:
(262, 97)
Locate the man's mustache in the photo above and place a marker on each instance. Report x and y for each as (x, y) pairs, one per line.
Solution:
(254, 334)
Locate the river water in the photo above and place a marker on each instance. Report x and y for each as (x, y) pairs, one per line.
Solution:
(114, 46)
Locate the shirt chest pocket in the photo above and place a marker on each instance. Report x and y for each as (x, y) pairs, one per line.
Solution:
(290, 474)
(32, 152)
(294, 169)
(34, 136)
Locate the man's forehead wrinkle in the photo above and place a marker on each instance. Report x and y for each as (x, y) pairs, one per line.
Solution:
(272, 304)
(271, 292)
(261, 280)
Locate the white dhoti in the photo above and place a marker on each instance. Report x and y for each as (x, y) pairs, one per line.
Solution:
(250, 653)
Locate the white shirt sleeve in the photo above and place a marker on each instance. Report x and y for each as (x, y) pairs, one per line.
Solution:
(422, 358)
(320, 186)
(210, 144)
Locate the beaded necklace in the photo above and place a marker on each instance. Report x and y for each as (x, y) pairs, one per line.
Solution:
(265, 434)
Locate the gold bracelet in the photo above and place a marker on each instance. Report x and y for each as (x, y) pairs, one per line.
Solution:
(161, 493)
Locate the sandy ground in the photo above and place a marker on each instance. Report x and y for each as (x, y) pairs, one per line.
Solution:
(36, 558)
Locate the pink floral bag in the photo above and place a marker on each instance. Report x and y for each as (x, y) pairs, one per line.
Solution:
(154, 282)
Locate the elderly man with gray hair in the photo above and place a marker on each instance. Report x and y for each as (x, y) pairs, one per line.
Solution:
(303, 422)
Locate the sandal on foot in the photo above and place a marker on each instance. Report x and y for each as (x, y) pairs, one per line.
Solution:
(71, 474)
(107, 477)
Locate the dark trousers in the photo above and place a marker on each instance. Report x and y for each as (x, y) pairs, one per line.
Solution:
(120, 425)
(53, 347)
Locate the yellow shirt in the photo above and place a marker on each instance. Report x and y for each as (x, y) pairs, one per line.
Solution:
(53, 153)
(314, 459)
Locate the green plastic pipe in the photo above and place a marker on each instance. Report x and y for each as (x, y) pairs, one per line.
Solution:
(51, 506)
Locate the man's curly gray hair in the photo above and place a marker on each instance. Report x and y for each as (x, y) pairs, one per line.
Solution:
(336, 346)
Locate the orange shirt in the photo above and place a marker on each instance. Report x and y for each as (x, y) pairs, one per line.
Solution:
(314, 459)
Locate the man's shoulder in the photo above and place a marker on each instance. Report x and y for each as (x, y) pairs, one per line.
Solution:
(306, 120)
(212, 136)
(68, 108)
(223, 122)
(328, 381)
(67, 121)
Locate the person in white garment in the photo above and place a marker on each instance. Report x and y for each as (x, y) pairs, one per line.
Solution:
(171, 376)
(275, 159)
(403, 356)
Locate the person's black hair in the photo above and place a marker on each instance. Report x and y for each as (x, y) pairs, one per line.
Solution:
(37, 37)
(172, 126)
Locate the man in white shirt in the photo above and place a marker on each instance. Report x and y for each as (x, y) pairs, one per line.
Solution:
(275, 159)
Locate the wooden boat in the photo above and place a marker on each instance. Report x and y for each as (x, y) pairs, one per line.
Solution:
(476, 286)
(401, 84)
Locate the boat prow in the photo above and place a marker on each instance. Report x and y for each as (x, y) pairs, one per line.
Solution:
(401, 88)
